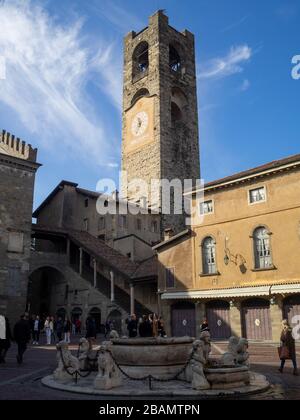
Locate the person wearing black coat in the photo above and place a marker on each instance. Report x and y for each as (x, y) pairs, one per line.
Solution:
(91, 329)
(22, 334)
(132, 327)
(59, 329)
(145, 328)
(5, 342)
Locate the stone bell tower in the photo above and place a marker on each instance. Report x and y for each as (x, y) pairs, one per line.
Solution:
(160, 116)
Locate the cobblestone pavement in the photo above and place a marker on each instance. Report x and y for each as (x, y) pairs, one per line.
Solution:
(23, 382)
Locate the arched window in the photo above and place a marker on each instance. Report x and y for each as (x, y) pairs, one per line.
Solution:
(178, 105)
(140, 59)
(262, 248)
(174, 59)
(209, 256)
(140, 94)
(176, 114)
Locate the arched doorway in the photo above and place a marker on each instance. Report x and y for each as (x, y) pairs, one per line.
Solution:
(61, 313)
(96, 314)
(76, 314)
(115, 317)
(218, 317)
(256, 319)
(183, 319)
(291, 310)
(45, 287)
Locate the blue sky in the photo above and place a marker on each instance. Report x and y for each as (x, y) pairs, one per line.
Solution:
(63, 86)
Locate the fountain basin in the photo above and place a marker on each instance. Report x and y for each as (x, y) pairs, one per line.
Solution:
(162, 358)
(227, 378)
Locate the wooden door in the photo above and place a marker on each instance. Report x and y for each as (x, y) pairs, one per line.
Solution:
(257, 320)
(218, 317)
(183, 320)
(291, 311)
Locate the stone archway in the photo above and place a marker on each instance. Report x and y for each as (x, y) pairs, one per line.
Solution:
(46, 286)
(115, 317)
(96, 314)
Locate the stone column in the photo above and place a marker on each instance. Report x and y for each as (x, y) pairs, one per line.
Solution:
(235, 318)
(95, 273)
(80, 261)
(112, 286)
(276, 317)
(68, 251)
(132, 305)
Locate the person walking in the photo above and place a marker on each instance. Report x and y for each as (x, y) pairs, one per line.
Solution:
(67, 331)
(145, 328)
(204, 326)
(161, 328)
(107, 328)
(36, 330)
(59, 329)
(132, 326)
(52, 329)
(78, 326)
(5, 337)
(22, 335)
(48, 332)
(287, 350)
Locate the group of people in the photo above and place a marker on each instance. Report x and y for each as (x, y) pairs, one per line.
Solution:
(29, 328)
(55, 329)
(146, 327)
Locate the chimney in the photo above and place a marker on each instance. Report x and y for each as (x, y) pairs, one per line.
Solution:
(168, 234)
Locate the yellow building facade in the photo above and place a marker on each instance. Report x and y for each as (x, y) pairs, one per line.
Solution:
(239, 264)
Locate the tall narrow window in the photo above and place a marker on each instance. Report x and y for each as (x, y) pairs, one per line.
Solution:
(86, 224)
(123, 222)
(174, 59)
(102, 223)
(262, 248)
(209, 256)
(170, 278)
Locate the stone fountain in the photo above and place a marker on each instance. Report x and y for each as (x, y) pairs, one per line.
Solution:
(169, 367)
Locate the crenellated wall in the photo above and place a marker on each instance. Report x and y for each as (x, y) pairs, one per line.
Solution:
(13, 146)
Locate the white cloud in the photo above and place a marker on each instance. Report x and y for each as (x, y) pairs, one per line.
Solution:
(48, 66)
(118, 16)
(235, 24)
(228, 65)
(245, 85)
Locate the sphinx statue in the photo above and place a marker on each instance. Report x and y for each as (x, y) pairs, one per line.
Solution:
(199, 381)
(229, 359)
(114, 335)
(67, 363)
(109, 375)
(205, 338)
(242, 352)
(85, 352)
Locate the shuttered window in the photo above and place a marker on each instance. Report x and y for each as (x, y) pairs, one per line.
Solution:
(209, 256)
(262, 248)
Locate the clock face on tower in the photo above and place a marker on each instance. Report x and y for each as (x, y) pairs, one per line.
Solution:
(139, 124)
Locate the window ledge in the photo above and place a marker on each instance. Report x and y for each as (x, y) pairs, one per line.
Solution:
(217, 273)
(257, 270)
(140, 76)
